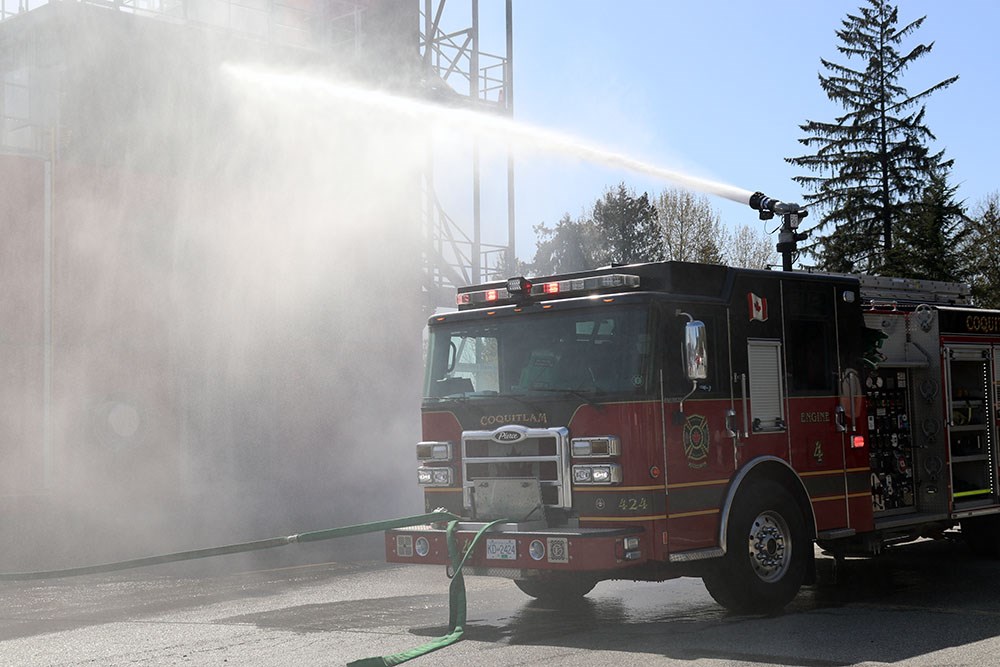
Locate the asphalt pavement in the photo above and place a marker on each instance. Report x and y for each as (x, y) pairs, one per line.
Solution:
(925, 604)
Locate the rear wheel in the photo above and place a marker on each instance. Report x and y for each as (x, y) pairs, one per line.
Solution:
(766, 552)
(982, 534)
(557, 589)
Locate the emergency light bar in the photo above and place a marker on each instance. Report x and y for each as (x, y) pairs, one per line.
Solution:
(520, 289)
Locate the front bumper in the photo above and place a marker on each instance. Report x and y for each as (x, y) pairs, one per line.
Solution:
(517, 550)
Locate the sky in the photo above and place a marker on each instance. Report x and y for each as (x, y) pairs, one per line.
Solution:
(715, 89)
(718, 89)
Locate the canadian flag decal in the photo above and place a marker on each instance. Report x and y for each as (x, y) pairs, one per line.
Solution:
(757, 306)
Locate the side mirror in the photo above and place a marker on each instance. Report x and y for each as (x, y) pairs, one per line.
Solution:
(696, 350)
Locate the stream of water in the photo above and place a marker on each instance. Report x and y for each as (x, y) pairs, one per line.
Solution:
(496, 126)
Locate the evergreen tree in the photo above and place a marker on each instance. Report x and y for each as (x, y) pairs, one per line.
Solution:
(872, 162)
(931, 238)
(624, 229)
(982, 250)
(569, 246)
(629, 227)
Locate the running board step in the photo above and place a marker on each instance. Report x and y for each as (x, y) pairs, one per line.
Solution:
(836, 534)
(697, 554)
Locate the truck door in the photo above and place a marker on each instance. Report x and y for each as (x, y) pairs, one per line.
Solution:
(699, 455)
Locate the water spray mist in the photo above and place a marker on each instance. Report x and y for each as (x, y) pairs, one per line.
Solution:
(471, 120)
(529, 136)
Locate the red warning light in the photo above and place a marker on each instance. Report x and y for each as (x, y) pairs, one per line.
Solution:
(492, 295)
(550, 288)
(858, 442)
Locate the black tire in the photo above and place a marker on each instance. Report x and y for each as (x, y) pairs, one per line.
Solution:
(557, 589)
(982, 534)
(767, 552)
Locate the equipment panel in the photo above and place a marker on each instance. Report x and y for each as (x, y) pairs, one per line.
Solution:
(888, 402)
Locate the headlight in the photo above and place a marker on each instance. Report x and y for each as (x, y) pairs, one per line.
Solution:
(433, 451)
(608, 473)
(601, 475)
(603, 446)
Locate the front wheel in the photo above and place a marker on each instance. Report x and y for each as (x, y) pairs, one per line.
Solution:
(766, 552)
(557, 589)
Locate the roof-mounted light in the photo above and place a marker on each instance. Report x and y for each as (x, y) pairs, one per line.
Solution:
(518, 286)
(594, 284)
(520, 289)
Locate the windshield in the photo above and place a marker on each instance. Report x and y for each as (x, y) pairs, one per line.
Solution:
(592, 350)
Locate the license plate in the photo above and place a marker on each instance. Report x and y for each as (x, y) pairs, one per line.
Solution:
(501, 549)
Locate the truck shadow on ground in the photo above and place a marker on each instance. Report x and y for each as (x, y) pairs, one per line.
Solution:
(912, 601)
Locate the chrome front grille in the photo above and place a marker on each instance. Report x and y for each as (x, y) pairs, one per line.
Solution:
(537, 453)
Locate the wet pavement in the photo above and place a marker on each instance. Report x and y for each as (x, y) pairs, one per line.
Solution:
(925, 604)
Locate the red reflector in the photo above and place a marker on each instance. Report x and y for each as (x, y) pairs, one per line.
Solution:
(857, 442)
(550, 288)
(492, 295)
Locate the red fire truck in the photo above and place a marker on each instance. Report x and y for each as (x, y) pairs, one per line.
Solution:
(651, 421)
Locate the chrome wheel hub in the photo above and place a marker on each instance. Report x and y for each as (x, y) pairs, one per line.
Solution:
(770, 546)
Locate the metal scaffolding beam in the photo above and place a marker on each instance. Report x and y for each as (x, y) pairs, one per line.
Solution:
(450, 45)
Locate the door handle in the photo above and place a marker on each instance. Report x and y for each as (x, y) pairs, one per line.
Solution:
(840, 419)
(742, 378)
(730, 416)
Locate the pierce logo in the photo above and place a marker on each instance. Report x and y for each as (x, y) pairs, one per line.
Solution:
(507, 436)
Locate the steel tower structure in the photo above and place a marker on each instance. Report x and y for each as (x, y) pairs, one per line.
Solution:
(442, 58)
(452, 53)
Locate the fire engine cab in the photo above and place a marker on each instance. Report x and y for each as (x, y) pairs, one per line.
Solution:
(651, 421)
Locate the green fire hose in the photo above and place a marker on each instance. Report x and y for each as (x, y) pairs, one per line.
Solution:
(456, 591)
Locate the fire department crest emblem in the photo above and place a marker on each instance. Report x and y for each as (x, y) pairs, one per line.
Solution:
(696, 441)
